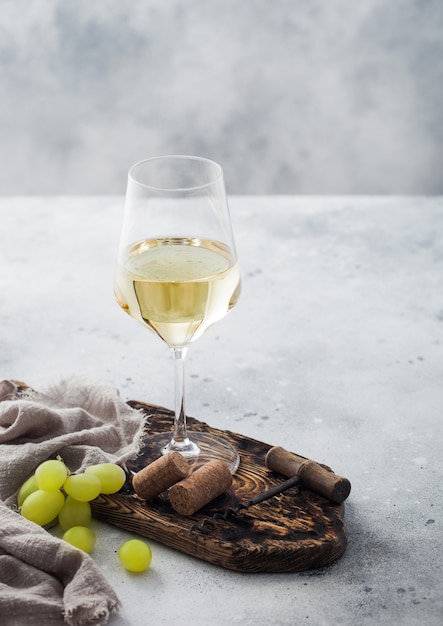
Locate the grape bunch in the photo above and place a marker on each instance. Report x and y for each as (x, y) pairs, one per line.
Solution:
(52, 494)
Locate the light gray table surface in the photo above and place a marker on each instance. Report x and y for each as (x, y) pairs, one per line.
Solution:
(335, 351)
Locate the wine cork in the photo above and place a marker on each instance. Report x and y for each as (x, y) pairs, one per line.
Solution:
(205, 484)
(160, 475)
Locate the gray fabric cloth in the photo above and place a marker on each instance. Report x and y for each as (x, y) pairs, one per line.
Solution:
(44, 580)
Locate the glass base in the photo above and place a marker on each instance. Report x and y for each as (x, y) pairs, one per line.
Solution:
(198, 449)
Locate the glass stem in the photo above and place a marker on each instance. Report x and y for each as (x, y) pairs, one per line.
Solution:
(180, 431)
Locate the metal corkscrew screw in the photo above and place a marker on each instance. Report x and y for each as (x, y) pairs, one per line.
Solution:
(235, 510)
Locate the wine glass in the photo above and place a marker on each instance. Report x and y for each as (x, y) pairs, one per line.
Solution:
(177, 274)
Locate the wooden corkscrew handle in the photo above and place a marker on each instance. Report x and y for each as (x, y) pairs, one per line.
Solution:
(312, 475)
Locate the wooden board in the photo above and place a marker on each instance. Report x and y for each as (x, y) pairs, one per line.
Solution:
(294, 531)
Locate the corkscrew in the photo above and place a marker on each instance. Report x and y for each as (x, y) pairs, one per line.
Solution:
(301, 471)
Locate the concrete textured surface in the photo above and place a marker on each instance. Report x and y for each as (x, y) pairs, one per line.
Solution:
(335, 351)
(290, 96)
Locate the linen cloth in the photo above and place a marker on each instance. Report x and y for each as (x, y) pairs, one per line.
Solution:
(44, 580)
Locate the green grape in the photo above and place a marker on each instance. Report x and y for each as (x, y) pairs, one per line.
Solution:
(111, 476)
(50, 475)
(26, 489)
(135, 555)
(82, 487)
(42, 507)
(74, 513)
(80, 537)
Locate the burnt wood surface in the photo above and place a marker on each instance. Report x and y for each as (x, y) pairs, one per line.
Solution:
(294, 531)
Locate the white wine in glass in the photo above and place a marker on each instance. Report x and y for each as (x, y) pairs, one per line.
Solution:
(177, 274)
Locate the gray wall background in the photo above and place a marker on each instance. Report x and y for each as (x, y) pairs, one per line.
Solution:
(290, 96)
